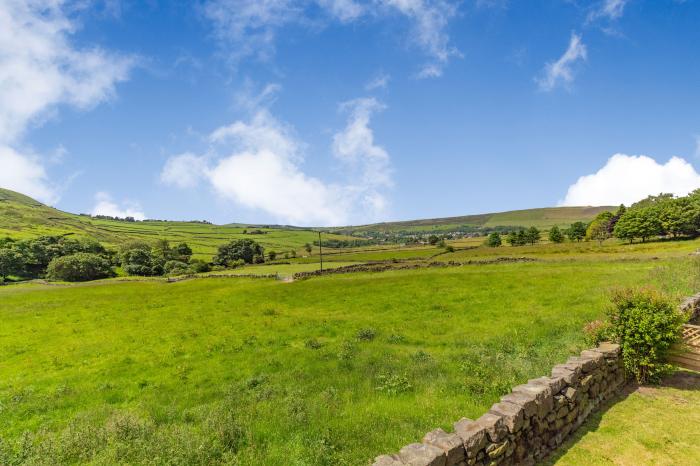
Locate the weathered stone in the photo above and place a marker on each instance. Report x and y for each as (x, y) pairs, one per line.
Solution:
(451, 444)
(472, 434)
(512, 415)
(563, 411)
(554, 383)
(421, 454)
(494, 426)
(586, 382)
(387, 460)
(543, 396)
(496, 450)
(596, 356)
(524, 400)
(587, 364)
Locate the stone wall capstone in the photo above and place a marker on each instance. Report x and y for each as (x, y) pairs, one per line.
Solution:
(528, 423)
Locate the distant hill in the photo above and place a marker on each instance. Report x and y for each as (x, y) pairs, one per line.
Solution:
(543, 218)
(23, 217)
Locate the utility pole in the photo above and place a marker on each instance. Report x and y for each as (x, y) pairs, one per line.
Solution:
(320, 250)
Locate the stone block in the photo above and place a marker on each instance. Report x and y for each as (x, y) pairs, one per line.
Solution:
(494, 426)
(451, 444)
(512, 415)
(422, 454)
(524, 400)
(473, 436)
(543, 396)
(387, 460)
(596, 356)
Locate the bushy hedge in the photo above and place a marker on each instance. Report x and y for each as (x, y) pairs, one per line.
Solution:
(79, 267)
(645, 323)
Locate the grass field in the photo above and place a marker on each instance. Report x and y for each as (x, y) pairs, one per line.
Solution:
(658, 425)
(332, 370)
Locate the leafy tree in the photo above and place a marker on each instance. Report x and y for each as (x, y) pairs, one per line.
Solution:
(10, 262)
(641, 223)
(307, 248)
(532, 235)
(246, 250)
(199, 266)
(161, 248)
(512, 238)
(79, 267)
(272, 255)
(176, 267)
(521, 238)
(555, 235)
(598, 229)
(576, 231)
(433, 239)
(494, 240)
(182, 252)
(138, 258)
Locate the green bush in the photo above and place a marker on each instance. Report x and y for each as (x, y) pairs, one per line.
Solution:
(645, 323)
(175, 267)
(79, 267)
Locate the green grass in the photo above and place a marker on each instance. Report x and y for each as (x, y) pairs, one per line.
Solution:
(652, 426)
(245, 371)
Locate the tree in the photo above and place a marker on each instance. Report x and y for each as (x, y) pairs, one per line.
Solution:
(272, 255)
(79, 267)
(307, 248)
(246, 250)
(10, 262)
(137, 258)
(640, 222)
(533, 235)
(555, 235)
(433, 239)
(182, 252)
(576, 231)
(494, 240)
(512, 238)
(599, 228)
(176, 267)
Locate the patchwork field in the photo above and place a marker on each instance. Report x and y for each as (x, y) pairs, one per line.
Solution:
(330, 370)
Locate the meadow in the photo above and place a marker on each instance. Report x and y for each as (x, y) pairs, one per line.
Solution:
(329, 370)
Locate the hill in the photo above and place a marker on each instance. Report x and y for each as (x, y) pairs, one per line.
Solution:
(23, 217)
(542, 218)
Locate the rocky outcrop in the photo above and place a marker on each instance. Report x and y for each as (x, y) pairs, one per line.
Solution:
(528, 423)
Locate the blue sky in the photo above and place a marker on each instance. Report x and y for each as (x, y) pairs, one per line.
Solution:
(321, 112)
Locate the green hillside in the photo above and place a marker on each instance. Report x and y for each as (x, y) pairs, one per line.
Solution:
(542, 218)
(24, 217)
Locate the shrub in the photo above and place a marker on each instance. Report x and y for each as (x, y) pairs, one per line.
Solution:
(246, 250)
(366, 334)
(494, 240)
(393, 384)
(199, 266)
(175, 267)
(645, 323)
(79, 267)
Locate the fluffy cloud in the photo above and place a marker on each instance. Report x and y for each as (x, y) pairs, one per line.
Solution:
(105, 205)
(561, 71)
(40, 69)
(380, 81)
(626, 179)
(184, 170)
(261, 167)
(24, 174)
(249, 28)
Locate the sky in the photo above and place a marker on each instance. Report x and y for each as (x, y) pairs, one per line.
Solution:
(337, 112)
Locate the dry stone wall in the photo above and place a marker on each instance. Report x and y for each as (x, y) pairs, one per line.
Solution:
(527, 424)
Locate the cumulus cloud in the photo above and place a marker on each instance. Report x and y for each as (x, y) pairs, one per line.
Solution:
(25, 174)
(259, 164)
(249, 28)
(561, 72)
(105, 205)
(184, 170)
(41, 69)
(626, 179)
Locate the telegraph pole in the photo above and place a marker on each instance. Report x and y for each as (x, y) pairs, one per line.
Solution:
(320, 250)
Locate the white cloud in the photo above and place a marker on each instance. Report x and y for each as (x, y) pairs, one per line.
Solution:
(626, 179)
(105, 205)
(184, 170)
(608, 9)
(261, 168)
(249, 28)
(380, 81)
(40, 69)
(561, 71)
(25, 174)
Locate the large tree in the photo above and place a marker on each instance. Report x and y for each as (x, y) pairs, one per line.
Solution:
(246, 250)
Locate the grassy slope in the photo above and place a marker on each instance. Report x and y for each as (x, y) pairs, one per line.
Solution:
(541, 218)
(23, 217)
(134, 372)
(652, 426)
